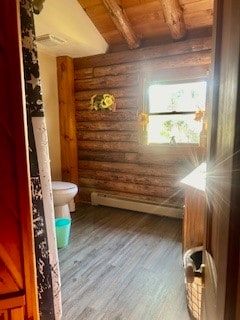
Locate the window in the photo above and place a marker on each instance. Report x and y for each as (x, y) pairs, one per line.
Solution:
(171, 109)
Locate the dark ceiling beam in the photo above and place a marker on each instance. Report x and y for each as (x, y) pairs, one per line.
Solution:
(173, 15)
(122, 23)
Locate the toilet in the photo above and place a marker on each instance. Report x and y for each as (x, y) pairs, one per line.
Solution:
(63, 198)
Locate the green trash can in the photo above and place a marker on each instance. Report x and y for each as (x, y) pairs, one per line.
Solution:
(63, 226)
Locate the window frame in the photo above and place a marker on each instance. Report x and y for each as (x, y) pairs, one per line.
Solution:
(145, 109)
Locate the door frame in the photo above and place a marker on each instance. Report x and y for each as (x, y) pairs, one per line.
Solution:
(223, 179)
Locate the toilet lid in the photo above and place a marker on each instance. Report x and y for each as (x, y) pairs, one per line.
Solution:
(61, 185)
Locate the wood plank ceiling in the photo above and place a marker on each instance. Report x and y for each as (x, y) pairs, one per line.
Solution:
(130, 24)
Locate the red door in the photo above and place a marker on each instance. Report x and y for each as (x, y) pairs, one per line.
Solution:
(18, 289)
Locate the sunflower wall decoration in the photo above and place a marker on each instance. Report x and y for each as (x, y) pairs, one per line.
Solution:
(105, 102)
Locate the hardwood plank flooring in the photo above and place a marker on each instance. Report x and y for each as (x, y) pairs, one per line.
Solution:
(122, 265)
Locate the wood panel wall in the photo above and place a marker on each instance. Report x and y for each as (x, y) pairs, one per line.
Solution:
(111, 157)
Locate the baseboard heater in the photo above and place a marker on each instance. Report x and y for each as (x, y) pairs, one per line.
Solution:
(134, 205)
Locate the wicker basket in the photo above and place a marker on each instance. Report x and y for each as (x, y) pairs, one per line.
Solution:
(193, 281)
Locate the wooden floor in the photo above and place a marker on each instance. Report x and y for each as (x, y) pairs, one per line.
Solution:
(122, 265)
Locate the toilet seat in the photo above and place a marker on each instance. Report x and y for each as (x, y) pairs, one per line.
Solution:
(62, 185)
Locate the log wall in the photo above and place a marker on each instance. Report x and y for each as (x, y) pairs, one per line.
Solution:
(111, 157)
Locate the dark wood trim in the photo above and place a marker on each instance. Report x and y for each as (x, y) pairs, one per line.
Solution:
(233, 269)
(223, 238)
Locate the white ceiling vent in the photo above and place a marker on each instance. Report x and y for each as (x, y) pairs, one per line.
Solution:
(50, 40)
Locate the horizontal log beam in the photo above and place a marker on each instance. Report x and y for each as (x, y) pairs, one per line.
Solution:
(131, 136)
(117, 92)
(160, 170)
(176, 163)
(123, 80)
(126, 69)
(128, 178)
(122, 103)
(129, 188)
(173, 14)
(187, 46)
(108, 146)
(92, 115)
(169, 66)
(122, 23)
(179, 61)
(101, 156)
(107, 125)
(83, 73)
